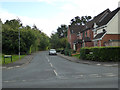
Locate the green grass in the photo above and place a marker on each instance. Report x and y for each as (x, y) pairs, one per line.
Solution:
(77, 56)
(14, 58)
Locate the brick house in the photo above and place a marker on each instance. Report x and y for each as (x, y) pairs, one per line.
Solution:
(102, 30)
(87, 33)
(72, 36)
(106, 30)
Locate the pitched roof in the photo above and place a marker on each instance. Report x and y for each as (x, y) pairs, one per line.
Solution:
(89, 25)
(75, 28)
(108, 17)
(98, 36)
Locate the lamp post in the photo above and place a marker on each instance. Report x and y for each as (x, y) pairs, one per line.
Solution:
(19, 41)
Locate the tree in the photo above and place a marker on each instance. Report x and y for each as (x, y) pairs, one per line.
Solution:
(80, 21)
(54, 40)
(62, 31)
(31, 39)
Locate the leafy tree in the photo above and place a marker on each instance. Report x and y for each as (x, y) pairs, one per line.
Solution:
(31, 39)
(80, 21)
(55, 41)
(62, 31)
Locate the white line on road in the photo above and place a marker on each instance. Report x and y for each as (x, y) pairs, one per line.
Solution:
(47, 58)
(51, 64)
(93, 74)
(23, 80)
(55, 73)
(10, 68)
(17, 66)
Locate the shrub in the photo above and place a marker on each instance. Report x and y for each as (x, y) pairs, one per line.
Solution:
(68, 51)
(100, 53)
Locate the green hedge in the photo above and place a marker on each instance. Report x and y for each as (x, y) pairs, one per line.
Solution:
(68, 51)
(100, 53)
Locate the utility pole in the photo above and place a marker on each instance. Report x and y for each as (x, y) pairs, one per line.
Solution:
(19, 41)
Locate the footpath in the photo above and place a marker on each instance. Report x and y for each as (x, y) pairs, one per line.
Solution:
(76, 60)
(26, 60)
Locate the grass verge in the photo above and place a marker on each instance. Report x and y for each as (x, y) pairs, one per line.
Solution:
(77, 56)
(14, 58)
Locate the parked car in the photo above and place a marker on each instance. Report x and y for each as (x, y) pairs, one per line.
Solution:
(52, 52)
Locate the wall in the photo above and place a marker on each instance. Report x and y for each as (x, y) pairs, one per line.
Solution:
(107, 37)
(89, 44)
(112, 26)
(114, 43)
(71, 38)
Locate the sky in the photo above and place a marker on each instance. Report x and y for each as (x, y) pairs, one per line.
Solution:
(48, 15)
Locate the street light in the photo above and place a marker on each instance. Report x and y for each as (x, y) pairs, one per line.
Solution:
(19, 41)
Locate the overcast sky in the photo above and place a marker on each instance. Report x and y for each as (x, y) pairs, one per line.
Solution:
(47, 15)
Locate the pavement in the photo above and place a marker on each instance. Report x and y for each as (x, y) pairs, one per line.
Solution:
(74, 59)
(27, 59)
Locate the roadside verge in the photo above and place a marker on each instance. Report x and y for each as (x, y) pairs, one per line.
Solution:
(26, 60)
(76, 60)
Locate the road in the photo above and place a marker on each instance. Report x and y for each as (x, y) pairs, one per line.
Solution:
(46, 71)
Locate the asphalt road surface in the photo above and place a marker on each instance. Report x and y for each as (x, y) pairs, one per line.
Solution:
(46, 71)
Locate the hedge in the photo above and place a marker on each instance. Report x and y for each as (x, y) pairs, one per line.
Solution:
(100, 53)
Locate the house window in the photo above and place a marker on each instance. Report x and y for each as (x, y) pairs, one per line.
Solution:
(79, 35)
(95, 43)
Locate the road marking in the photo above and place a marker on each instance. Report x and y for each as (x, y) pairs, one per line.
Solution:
(47, 58)
(55, 73)
(98, 64)
(51, 64)
(107, 65)
(93, 74)
(4, 67)
(10, 68)
(6, 81)
(110, 74)
(17, 66)
(23, 80)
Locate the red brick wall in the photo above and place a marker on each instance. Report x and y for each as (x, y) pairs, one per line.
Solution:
(89, 44)
(90, 34)
(110, 36)
(78, 47)
(72, 39)
(68, 35)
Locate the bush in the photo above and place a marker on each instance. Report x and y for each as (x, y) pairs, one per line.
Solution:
(100, 53)
(68, 51)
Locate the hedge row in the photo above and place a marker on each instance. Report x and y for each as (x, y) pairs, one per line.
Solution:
(100, 53)
(68, 52)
